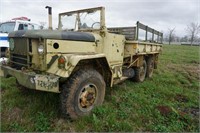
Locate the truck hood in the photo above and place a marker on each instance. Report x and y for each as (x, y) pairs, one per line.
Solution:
(54, 34)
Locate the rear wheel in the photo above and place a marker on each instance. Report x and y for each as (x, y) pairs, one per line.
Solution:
(82, 92)
(140, 72)
(150, 67)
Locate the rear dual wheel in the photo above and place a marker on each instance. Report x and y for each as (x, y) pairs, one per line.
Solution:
(150, 67)
(140, 72)
(146, 70)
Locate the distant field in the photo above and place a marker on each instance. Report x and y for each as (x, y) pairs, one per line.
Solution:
(168, 102)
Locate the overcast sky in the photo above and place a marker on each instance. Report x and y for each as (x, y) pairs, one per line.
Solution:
(158, 14)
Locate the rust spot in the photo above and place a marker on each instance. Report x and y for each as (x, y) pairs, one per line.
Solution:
(164, 110)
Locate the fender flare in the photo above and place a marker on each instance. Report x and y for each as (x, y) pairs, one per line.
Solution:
(72, 60)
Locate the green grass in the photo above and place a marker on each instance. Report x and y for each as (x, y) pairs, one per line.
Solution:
(168, 102)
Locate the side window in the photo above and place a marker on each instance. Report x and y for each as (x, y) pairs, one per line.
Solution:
(21, 27)
(25, 26)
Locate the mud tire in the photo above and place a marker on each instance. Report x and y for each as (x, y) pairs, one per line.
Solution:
(71, 90)
(150, 67)
(140, 72)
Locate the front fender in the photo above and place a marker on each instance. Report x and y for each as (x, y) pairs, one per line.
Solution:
(71, 61)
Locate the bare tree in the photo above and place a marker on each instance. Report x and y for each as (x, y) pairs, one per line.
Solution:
(171, 35)
(193, 30)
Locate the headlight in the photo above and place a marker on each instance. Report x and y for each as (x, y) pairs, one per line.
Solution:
(11, 44)
(40, 49)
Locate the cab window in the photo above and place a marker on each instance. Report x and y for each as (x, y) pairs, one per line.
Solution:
(25, 27)
(21, 27)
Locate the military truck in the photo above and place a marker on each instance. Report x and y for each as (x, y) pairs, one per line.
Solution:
(82, 58)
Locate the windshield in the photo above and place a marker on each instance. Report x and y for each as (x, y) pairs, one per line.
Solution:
(80, 21)
(68, 22)
(7, 27)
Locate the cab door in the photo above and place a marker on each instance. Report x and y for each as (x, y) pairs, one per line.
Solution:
(114, 48)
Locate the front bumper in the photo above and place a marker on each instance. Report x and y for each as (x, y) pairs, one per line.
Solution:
(32, 80)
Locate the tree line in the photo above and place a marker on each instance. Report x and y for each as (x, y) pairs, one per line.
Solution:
(191, 37)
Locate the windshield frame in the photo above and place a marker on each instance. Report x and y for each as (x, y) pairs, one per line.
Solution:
(78, 12)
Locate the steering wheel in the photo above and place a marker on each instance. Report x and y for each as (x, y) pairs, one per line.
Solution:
(94, 24)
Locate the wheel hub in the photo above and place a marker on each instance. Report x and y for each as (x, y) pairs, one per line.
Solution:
(87, 96)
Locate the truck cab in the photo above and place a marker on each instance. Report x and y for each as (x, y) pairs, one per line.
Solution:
(21, 23)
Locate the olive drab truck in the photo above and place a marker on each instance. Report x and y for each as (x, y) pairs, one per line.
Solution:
(82, 58)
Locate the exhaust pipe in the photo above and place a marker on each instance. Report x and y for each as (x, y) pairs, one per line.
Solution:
(50, 16)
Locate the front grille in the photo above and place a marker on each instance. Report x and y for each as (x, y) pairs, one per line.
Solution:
(19, 56)
(19, 61)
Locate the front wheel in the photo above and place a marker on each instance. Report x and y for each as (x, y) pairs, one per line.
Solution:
(81, 93)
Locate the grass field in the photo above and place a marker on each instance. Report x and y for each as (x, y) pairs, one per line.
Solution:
(168, 102)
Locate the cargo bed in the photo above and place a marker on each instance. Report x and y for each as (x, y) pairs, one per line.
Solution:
(140, 39)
